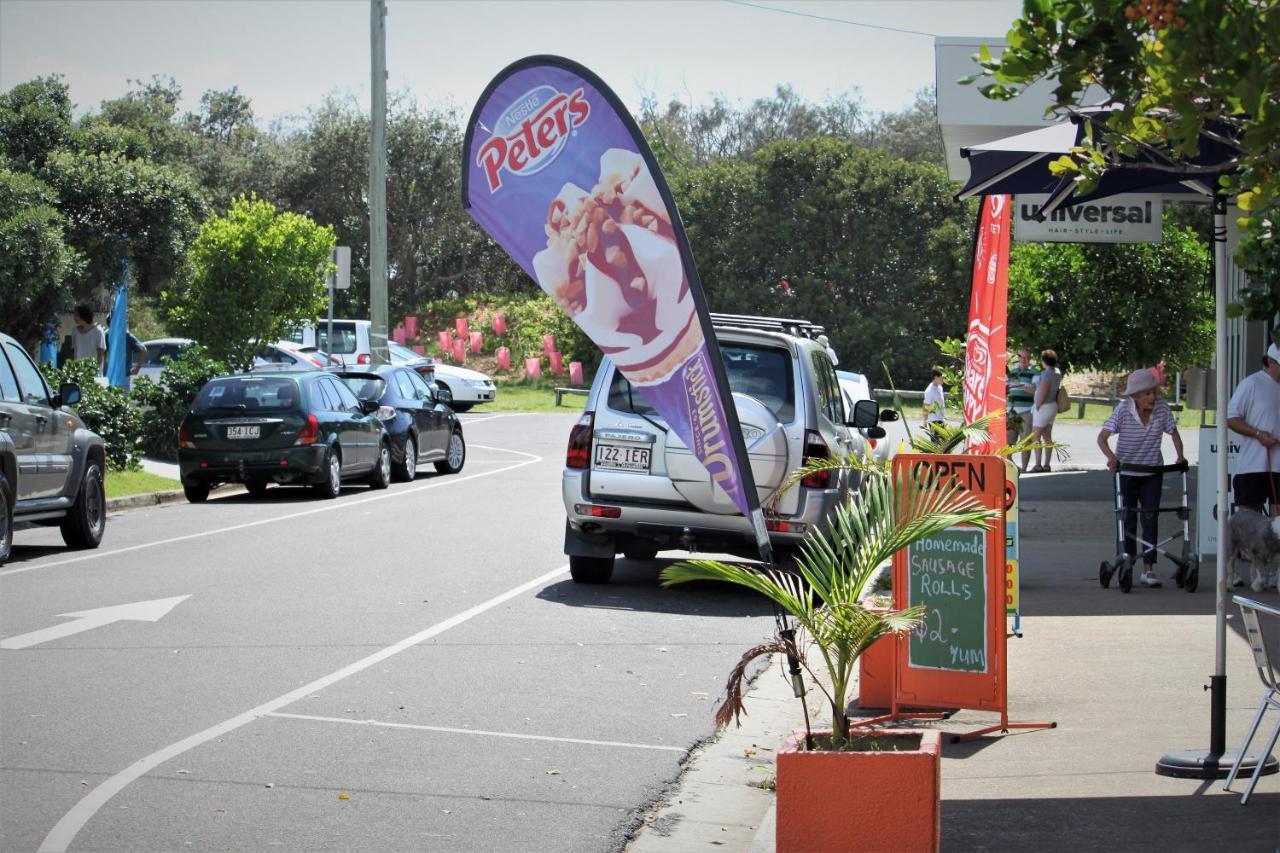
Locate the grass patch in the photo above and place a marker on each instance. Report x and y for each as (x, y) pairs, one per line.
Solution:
(124, 483)
(523, 396)
(1095, 414)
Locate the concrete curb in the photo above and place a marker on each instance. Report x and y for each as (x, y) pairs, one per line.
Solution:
(147, 499)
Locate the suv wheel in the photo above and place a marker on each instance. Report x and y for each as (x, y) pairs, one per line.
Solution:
(84, 525)
(197, 494)
(6, 519)
(381, 476)
(331, 485)
(590, 569)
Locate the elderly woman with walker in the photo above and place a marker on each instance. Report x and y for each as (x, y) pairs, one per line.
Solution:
(1140, 423)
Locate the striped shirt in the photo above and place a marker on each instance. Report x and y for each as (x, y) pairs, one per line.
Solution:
(1138, 443)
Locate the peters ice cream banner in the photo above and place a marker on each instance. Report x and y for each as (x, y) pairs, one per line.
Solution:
(556, 170)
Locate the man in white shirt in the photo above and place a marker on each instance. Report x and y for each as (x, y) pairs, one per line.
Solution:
(88, 339)
(935, 401)
(1254, 412)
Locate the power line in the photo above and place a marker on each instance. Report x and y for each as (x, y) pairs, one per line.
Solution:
(829, 19)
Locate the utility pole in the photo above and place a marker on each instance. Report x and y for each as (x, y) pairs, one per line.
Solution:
(378, 182)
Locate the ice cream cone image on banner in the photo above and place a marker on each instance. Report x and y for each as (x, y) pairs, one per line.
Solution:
(612, 264)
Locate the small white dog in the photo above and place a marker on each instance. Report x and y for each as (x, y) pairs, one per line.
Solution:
(1256, 538)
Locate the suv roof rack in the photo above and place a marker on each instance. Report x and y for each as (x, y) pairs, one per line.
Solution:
(798, 328)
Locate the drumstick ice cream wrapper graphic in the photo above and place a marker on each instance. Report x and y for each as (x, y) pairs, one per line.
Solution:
(558, 173)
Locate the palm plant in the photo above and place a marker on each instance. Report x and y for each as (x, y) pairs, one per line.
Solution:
(824, 594)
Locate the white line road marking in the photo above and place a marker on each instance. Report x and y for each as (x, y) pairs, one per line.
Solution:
(456, 731)
(66, 829)
(328, 507)
(87, 620)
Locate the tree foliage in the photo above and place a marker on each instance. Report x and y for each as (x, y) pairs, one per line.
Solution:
(36, 265)
(1114, 307)
(1181, 69)
(253, 272)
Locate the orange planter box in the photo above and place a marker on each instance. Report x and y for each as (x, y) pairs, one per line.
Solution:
(881, 800)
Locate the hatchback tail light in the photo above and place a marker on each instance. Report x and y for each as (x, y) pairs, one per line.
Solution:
(184, 439)
(815, 447)
(579, 453)
(364, 358)
(310, 432)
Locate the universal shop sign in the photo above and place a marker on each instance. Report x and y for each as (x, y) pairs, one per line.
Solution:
(1117, 219)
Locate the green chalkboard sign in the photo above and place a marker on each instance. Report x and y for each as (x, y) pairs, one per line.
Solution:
(948, 575)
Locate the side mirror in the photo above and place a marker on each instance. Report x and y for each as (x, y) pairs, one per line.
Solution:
(68, 394)
(887, 415)
(444, 395)
(866, 414)
(368, 407)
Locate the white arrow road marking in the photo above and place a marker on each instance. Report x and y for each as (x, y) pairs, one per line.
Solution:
(87, 620)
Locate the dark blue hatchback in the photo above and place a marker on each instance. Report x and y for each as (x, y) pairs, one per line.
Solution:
(420, 425)
(291, 428)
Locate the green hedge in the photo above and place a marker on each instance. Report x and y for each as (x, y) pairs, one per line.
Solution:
(104, 409)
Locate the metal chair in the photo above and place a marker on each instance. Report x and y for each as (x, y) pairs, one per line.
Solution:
(1252, 613)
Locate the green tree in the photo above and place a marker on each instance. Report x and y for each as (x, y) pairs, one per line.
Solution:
(876, 249)
(35, 120)
(1180, 68)
(36, 264)
(252, 273)
(1115, 307)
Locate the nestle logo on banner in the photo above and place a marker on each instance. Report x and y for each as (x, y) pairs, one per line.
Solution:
(531, 133)
(1118, 219)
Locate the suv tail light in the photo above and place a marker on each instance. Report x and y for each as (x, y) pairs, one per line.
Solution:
(364, 358)
(184, 439)
(310, 432)
(579, 453)
(815, 447)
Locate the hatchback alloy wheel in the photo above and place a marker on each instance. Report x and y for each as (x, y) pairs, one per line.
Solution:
(331, 485)
(409, 468)
(381, 476)
(455, 456)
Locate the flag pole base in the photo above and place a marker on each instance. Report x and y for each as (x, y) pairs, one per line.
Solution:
(1204, 764)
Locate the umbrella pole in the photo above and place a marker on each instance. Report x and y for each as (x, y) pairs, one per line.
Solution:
(1216, 762)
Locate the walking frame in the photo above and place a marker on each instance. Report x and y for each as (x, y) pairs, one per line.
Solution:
(1188, 561)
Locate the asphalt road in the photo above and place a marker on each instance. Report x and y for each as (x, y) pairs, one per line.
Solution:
(402, 670)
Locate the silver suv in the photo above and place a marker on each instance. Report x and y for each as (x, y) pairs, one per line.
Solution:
(632, 487)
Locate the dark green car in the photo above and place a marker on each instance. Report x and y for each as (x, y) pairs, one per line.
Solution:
(290, 428)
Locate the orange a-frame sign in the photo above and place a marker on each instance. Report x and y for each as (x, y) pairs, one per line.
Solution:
(956, 657)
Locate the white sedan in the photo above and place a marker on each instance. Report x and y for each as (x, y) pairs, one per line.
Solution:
(856, 387)
(467, 386)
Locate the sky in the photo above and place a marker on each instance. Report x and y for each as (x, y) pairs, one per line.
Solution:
(286, 56)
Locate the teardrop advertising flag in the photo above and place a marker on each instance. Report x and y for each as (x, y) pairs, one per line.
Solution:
(985, 358)
(556, 170)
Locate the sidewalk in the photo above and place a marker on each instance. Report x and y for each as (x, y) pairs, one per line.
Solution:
(1122, 676)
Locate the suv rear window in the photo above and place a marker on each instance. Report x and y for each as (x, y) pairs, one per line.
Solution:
(246, 394)
(761, 372)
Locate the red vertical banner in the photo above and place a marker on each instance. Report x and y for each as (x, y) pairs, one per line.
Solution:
(985, 356)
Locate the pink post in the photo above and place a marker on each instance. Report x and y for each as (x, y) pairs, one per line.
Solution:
(548, 344)
(476, 340)
(557, 363)
(459, 351)
(460, 325)
(499, 324)
(397, 335)
(446, 341)
(410, 326)
(504, 358)
(533, 368)
(421, 350)
(575, 373)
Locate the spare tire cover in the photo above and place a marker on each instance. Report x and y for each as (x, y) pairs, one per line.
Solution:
(766, 443)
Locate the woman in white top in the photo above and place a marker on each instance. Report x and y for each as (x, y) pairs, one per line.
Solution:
(1044, 409)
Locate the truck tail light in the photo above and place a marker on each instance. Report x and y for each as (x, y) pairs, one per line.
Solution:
(579, 453)
(184, 439)
(310, 432)
(815, 447)
(364, 358)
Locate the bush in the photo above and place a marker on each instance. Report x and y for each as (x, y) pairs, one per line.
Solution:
(166, 403)
(105, 410)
